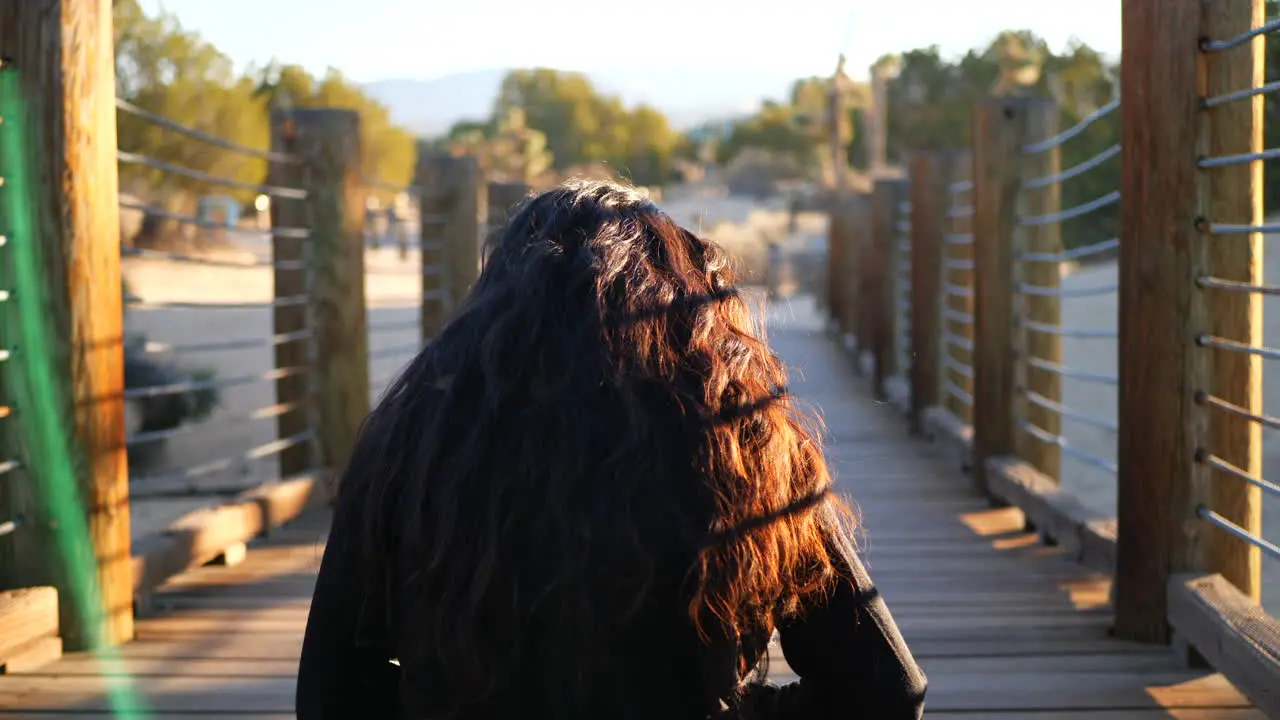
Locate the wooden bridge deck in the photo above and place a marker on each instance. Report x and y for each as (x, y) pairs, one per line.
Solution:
(1003, 626)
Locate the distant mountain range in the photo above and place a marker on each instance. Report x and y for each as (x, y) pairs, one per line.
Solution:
(688, 97)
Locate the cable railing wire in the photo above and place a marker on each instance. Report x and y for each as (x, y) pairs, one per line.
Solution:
(1074, 130)
(130, 108)
(1208, 45)
(204, 177)
(1073, 171)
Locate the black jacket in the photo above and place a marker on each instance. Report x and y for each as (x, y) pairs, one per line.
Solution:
(850, 658)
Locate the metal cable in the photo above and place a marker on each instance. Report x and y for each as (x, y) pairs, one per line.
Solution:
(201, 176)
(1268, 548)
(1063, 411)
(1072, 254)
(1043, 435)
(1226, 98)
(1110, 198)
(1213, 341)
(1074, 130)
(211, 262)
(962, 211)
(1204, 398)
(1219, 45)
(957, 238)
(280, 302)
(151, 391)
(1218, 463)
(957, 392)
(204, 137)
(1052, 329)
(1218, 161)
(1234, 286)
(1065, 292)
(296, 233)
(956, 290)
(224, 345)
(959, 186)
(262, 413)
(1070, 372)
(259, 452)
(1073, 171)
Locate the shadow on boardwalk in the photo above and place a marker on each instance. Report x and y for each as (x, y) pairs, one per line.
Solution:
(1003, 626)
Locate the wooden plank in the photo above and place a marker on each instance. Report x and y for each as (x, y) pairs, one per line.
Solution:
(1232, 631)
(27, 617)
(201, 535)
(1057, 514)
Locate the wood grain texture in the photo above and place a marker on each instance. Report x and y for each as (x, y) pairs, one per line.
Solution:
(930, 172)
(63, 57)
(886, 195)
(1038, 306)
(1232, 631)
(467, 209)
(1160, 369)
(1233, 195)
(289, 315)
(327, 141)
(999, 132)
(958, 302)
(431, 178)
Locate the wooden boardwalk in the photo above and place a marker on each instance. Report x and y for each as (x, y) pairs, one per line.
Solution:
(1003, 626)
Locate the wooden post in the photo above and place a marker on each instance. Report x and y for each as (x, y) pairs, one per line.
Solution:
(467, 208)
(881, 279)
(857, 227)
(837, 249)
(1233, 195)
(327, 143)
(1164, 246)
(930, 172)
(1036, 307)
(999, 133)
(62, 219)
(957, 275)
(294, 335)
(431, 177)
(503, 197)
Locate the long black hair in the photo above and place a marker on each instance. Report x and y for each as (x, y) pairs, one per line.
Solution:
(601, 412)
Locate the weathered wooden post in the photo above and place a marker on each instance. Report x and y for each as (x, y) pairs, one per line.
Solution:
(930, 172)
(838, 262)
(958, 287)
(503, 197)
(326, 144)
(68, 505)
(431, 178)
(999, 133)
(1182, 388)
(1038, 307)
(857, 226)
(882, 277)
(467, 209)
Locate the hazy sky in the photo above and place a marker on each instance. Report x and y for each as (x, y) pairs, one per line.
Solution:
(380, 39)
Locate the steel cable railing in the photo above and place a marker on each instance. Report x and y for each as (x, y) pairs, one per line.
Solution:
(399, 280)
(956, 366)
(1054, 354)
(199, 402)
(900, 305)
(10, 462)
(1230, 290)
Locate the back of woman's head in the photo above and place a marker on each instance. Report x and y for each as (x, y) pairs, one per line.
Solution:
(600, 425)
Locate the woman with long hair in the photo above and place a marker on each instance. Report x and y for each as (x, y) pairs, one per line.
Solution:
(591, 497)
